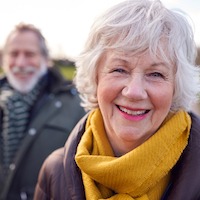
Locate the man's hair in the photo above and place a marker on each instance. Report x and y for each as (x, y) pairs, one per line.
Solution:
(22, 27)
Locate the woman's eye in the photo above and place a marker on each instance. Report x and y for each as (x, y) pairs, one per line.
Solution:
(119, 70)
(156, 75)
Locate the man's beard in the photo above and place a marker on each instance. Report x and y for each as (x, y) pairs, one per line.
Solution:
(25, 86)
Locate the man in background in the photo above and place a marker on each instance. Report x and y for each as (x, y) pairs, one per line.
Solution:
(38, 109)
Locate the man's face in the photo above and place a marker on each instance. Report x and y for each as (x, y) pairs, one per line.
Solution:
(23, 62)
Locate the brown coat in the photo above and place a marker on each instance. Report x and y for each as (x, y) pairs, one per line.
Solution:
(60, 178)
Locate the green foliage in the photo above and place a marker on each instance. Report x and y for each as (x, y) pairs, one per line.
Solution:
(67, 71)
(65, 66)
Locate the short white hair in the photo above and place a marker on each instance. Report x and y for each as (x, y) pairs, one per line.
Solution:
(136, 26)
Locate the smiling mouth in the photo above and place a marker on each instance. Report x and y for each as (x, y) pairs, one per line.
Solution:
(133, 112)
(26, 71)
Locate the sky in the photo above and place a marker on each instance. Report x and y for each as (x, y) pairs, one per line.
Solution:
(66, 23)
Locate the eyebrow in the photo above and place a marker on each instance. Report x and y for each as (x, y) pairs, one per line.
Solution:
(154, 64)
(119, 60)
(160, 64)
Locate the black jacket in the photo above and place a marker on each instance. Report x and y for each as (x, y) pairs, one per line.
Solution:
(60, 178)
(53, 116)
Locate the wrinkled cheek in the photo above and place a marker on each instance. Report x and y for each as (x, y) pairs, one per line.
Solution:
(6, 68)
(102, 96)
(164, 104)
(105, 96)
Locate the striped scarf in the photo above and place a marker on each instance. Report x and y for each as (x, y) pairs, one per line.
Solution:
(16, 112)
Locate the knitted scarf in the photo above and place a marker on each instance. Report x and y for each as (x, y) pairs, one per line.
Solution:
(16, 111)
(141, 174)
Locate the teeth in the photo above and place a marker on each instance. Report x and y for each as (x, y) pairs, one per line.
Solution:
(25, 70)
(131, 112)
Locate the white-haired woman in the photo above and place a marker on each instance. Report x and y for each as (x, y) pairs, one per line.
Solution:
(139, 140)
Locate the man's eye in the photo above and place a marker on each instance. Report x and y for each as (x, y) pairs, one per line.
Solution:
(13, 54)
(30, 54)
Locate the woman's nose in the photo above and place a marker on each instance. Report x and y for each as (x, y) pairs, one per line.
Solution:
(135, 88)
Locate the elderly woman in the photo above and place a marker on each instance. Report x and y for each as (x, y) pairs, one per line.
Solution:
(139, 140)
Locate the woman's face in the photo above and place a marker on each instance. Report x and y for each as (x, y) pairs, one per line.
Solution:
(134, 95)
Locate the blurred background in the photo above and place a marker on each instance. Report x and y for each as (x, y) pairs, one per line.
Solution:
(66, 23)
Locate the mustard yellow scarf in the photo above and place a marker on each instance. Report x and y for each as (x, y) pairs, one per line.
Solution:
(141, 174)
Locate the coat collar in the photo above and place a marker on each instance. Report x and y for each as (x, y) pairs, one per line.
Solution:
(185, 182)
